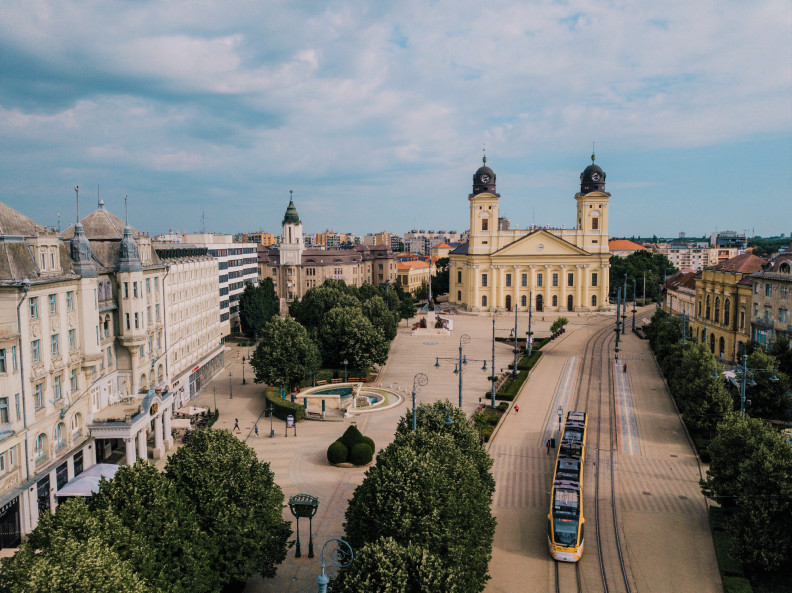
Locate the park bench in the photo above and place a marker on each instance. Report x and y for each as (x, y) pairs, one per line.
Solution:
(335, 380)
(322, 382)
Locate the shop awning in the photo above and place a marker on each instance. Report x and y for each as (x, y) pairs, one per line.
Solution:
(87, 483)
(191, 410)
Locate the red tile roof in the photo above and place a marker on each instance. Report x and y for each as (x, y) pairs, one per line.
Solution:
(746, 263)
(624, 245)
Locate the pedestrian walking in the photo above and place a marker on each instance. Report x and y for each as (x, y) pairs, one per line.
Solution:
(516, 409)
(548, 446)
(624, 368)
(255, 429)
(236, 424)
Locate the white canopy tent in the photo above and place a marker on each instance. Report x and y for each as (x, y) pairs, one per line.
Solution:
(87, 483)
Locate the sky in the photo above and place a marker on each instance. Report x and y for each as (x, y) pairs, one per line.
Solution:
(376, 113)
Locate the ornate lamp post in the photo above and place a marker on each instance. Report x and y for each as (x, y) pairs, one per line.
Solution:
(243, 370)
(272, 431)
(746, 379)
(460, 361)
(230, 387)
(339, 557)
(529, 335)
(560, 413)
(304, 505)
(422, 380)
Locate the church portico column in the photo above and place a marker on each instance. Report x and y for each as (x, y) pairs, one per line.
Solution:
(474, 282)
(159, 450)
(580, 278)
(142, 453)
(517, 284)
(130, 450)
(548, 282)
(562, 285)
(166, 418)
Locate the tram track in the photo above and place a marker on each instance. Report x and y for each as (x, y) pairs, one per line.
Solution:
(595, 397)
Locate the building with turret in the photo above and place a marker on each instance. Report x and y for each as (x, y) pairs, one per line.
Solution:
(555, 269)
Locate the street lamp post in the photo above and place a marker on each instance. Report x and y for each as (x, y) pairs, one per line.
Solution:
(460, 363)
(345, 369)
(634, 301)
(421, 380)
(747, 380)
(624, 308)
(272, 431)
(339, 557)
(214, 395)
(230, 387)
(560, 413)
(529, 339)
(243, 370)
(514, 370)
(618, 307)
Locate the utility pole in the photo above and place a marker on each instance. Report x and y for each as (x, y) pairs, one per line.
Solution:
(492, 371)
(530, 337)
(514, 370)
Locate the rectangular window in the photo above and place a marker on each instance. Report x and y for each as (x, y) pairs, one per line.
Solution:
(18, 408)
(483, 280)
(756, 288)
(55, 344)
(484, 224)
(151, 344)
(52, 261)
(524, 280)
(14, 357)
(134, 289)
(34, 307)
(109, 357)
(742, 319)
(4, 415)
(35, 348)
(74, 385)
(53, 303)
(156, 283)
(142, 351)
(508, 279)
(570, 279)
(126, 290)
(148, 285)
(43, 261)
(148, 314)
(768, 290)
(595, 223)
(72, 339)
(56, 387)
(126, 317)
(2, 360)
(593, 278)
(38, 396)
(539, 279)
(137, 321)
(157, 312)
(70, 300)
(97, 335)
(782, 315)
(555, 279)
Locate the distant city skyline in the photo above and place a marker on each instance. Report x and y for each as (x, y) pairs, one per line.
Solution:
(376, 115)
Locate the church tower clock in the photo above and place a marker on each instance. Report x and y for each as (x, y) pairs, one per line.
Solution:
(483, 210)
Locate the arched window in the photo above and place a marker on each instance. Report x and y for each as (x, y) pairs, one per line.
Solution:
(459, 295)
(555, 301)
(699, 307)
(60, 436)
(722, 347)
(40, 450)
(143, 382)
(484, 301)
(594, 300)
(76, 425)
(784, 268)
(524, 301)
(712, 343)
(726, 311)
(160, 374)
(717, 309)
(708, 307)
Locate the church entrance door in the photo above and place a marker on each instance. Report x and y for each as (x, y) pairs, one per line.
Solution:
(508, 302)
(539, 303)
(570, 306)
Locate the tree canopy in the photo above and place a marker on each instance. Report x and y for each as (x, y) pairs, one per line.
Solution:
(346, 334)
(655, 265)
(285, 354)
(319, 301)
(257, 305)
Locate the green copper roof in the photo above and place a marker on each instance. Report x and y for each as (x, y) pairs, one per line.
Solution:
(291, 216)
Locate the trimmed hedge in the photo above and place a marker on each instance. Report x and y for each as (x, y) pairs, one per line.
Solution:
(360, 454)
(283, 407)
(351, 437)
(736, 585)
(370, 442)
(337, 452)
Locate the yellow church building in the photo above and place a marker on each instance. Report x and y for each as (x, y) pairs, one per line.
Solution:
(556, 269)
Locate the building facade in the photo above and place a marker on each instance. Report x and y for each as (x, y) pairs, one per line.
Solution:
(695, 256)
(294, 268)
(680, 294)
(414, 274)
(723, 305)
(259, 238)
(771, 300)
(558, 269)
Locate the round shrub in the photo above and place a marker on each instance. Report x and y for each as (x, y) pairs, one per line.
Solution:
(351, 437)
(337, 452)
(361, 454)
(503, 406)
(370, 442)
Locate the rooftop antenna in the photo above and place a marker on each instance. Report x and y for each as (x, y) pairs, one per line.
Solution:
(126, 210)
(59, 222)
(593, 153)
(203, 222)
(484, 150)
(77, 191)
(98, 199)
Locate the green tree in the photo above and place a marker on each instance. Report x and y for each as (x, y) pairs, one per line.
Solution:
(376, 311)
(655, 266)
(422, 292)
(440, 281)
(319, 301)
(345, 333)
(405, 496)
(165, 545)
(782, 350)
(749, 476)
(257, 305)
(432, 418)
(769, 399)
(407, 308)
(386, 566)
(285, 354)
(236, 502)
(73, 551)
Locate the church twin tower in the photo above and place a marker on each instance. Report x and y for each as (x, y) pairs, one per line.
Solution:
(553, 269)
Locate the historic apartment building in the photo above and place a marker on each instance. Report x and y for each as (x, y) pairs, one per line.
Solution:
(84, 371)
(559, 269)
(771, 300)
(294, 268)
(723, 305)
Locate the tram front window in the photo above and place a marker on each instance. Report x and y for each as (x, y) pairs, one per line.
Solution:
(565, 532)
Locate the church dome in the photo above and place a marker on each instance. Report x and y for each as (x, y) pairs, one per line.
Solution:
(291, 216)
(592, 178)
(484, 179)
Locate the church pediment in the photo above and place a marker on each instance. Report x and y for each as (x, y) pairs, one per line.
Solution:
(542, 243)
